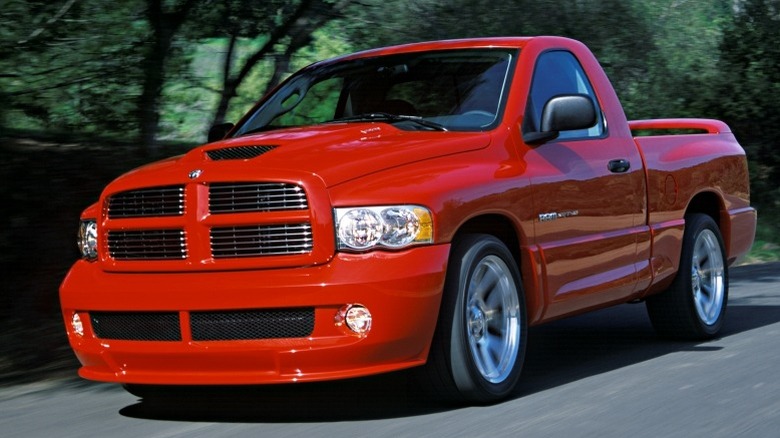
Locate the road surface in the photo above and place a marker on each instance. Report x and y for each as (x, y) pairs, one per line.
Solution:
(600, 375)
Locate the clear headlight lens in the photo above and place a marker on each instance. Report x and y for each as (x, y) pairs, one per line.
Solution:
(87, 241)
(395, 226)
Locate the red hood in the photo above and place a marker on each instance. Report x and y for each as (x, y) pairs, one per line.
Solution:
(334, 153)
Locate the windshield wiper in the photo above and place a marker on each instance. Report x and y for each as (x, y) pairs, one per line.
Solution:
(387, 117)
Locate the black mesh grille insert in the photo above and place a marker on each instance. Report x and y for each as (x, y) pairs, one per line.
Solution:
(136, 326)
(155, 201)
(256, 197)
(147, 245)
(254, 324)
(239, 152)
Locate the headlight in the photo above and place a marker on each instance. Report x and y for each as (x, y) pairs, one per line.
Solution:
(396, 226)
(88, 239)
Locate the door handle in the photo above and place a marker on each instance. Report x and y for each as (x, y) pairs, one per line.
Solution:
(619, 166)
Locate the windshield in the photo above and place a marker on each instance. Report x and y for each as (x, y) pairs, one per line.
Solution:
(458, 90)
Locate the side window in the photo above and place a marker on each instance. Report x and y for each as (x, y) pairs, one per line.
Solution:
(558, 72)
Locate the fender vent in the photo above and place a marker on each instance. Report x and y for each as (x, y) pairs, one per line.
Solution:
(238, 152)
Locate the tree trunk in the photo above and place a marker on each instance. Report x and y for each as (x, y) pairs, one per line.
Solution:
(298, 26)
(164, 26)
(228, 84)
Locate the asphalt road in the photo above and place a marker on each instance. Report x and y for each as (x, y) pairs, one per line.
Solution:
(601, 375)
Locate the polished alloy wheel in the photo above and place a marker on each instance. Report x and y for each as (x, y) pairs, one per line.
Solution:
(478, 349)
(493, 319)
(708, 277)
(694, 305)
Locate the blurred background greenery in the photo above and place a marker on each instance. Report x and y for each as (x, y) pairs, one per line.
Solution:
(90, 89)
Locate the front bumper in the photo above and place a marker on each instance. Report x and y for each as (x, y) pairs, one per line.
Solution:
(402, 291)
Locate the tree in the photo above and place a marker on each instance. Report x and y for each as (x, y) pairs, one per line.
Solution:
(164, 23)
(615, 30)
(748, 92)
(288, 33)
(59, 56)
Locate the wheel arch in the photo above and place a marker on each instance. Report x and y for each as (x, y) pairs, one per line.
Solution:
(509, 232)
(451, 372)
(495, 225)
(711, 204)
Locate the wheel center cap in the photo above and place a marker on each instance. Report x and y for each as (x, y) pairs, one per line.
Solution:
(696, 280)
(477, 322)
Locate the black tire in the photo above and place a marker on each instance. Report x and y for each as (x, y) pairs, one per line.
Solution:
(694, 306)
(478, 349)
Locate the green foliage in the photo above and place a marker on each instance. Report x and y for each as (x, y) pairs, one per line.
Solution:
(77, 69)
(61, 75)
(189, 101)
(766, 247)
(746, 96)
(80, 66)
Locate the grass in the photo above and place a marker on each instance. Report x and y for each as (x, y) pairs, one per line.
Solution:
(766, 247)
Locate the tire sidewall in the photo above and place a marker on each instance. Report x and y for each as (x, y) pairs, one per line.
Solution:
(468, 253)
(696, 225)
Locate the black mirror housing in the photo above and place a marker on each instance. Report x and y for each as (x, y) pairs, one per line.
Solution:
(568, 112)
(564, 113)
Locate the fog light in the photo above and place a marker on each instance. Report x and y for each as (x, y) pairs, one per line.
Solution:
(77, 325)
(356, 317)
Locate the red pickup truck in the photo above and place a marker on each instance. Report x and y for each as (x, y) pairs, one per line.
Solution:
(412, 206)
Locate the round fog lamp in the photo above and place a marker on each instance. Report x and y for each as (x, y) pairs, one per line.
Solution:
(356, 317)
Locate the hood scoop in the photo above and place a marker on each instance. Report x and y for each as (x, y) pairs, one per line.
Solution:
(238, 152)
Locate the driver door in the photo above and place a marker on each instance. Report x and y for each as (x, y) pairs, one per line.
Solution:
(589, 211)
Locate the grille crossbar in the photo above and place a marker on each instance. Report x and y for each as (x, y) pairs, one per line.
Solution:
(256, 197)
(261, 240)
(155, 201)
(147, 245)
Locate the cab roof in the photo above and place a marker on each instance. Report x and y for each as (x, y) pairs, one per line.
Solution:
(464, 43)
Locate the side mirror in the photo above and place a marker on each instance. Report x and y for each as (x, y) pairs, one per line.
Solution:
(564, 113)
(219, 131)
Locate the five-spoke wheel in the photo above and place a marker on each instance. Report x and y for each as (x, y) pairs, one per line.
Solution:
(479, 345)
(694, 306)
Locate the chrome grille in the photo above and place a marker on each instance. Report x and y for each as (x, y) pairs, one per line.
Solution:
(147, 245)
(261, 240)
(256, 197)
(242, 220)
(252, 324)
(155, 201)
(238, 152)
